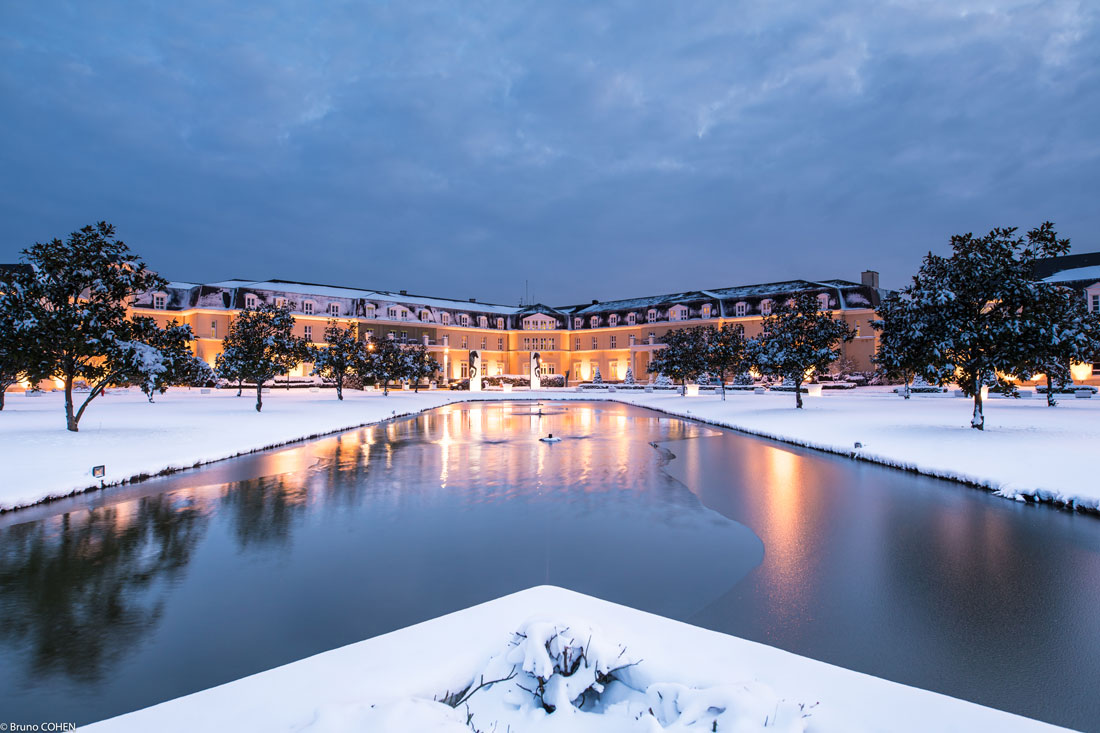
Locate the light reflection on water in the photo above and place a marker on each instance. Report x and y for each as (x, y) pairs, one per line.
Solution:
(115, 601)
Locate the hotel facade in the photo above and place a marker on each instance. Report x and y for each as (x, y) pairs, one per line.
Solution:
(573, 340)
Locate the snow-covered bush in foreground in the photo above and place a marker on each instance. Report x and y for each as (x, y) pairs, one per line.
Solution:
(570, 677)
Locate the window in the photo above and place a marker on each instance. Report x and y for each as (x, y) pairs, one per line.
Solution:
(706, 310)
(651, 315)
(369, 311)
(741, 309)
(500, 324)
(307, 308)
(548, 368)
(280, 302)
(631, 319)
(482, 322)
(463, 320)
(613, 320)
(334, 309)
(465, 344)
(823, 301)
(160, 301)
(1096, 302)
(553, 344)
(445, 319)
(613, 339)
(213, 329)
(857, 331)
(251, 301)
(484, 342)
(309, 333)
(677, 313)
(595, 343)
(392, 335)
(594, 321)
(578, 323)
(425, 316)
(393, 312)
(577, 344)
(766, 307)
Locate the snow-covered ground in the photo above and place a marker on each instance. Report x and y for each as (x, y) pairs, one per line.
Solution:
(679, 678)
(1026, 449)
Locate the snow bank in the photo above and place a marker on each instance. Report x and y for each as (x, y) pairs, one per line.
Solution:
(653, 675)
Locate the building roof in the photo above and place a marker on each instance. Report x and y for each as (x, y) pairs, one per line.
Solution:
(1088, 274)
(1046, 267)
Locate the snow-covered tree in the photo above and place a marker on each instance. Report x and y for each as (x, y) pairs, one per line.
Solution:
(1058, 331)
(799, 339)
(597, 378)
(342, 355)
(725, 351)
(683, 356)
(386, 362)
(76, 292)
(905, 345)
(159, 358)
(629, 378)
(663, 380)
(260, 344)
(16, 323)
(744, 379)
(973, 306)
(419, 364)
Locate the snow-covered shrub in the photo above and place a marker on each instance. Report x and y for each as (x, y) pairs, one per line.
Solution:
(703, 380)
(629, 378)
(663, 382)
(744, 379)
(569, 676)
(597, 378)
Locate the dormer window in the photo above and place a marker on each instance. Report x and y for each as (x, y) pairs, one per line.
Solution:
(706, 310)
(613, 320)
(677, 313)
(500, 323)
(307, 307)
(445, 319)
(393, 313)
(766, 307)
(464, 320)
(280, 302)
(482, 322)
(369, 310)
(631, 319)
(160, 301)
(334, 309)
(741, 309)
(594, 321)
(651, 315)
(823, 301)
(251, 301)
(578, 323)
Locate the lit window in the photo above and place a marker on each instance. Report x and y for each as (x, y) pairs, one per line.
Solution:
(465, 344)
(484, 343)
(307, 308)
(500, 323)
(160, 301)
(766, 307)
(706, 310)
(280, 302)
(482, 322)
(213, 329)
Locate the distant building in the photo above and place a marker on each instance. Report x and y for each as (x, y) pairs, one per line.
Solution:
(572, 339)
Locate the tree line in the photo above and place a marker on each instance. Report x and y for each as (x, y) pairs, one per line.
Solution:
(64, 317)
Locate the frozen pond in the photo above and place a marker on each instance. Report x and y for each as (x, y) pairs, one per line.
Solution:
(112, 602)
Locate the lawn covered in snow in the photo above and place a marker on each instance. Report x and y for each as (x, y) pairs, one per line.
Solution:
(639, 673)
(1027, 448)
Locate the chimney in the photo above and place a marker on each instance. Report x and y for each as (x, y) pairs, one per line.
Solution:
(870, 278)
(404, 292)
(595, 302)
(473, 300)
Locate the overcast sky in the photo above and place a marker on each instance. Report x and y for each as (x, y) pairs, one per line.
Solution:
(597, 149)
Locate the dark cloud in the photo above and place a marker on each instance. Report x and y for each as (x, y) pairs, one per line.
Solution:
(598, 150)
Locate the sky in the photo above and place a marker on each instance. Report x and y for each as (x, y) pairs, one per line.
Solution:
(589, 149)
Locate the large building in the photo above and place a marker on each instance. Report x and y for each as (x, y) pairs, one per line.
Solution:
(573, 340)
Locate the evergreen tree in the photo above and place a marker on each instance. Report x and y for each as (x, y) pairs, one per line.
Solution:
(386, 362)
(1059, 331)
(16, 324)
(800, 338)
(629, 378)
(161, 357)
(76, 296)
(419, 364)
(260, 344)
(683, 356)
(726, 351)
(597, 378)
(342, 355)
(905, 343)
(973, 307)
(663, 380)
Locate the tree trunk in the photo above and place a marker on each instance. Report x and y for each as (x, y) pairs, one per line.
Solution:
(978, 419)
(259, 395)
(2, 393)
(798, 394)
(907, 381)
(240, 387)
(1050, 391)
(340, 386)
(71, 421)
(683, 387)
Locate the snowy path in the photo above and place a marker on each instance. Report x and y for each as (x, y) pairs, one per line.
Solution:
(387, 684)
(1027, 448)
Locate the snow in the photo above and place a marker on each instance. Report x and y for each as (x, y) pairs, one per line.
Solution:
(1026, 450)
(1078, 273)
(643, 673)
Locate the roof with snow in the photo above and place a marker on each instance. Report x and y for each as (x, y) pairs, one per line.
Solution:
(1047, 266)
(1077, 274)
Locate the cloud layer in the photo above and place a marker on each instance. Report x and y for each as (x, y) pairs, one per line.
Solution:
(595, 149)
